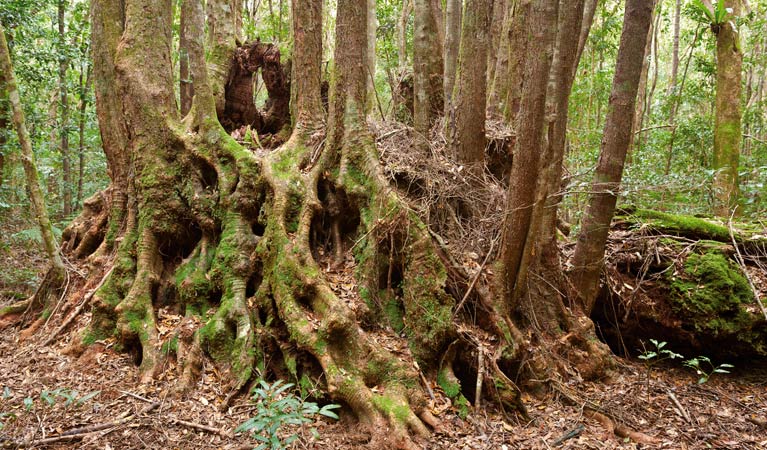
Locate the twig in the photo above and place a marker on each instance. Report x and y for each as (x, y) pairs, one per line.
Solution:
(81, 432)
(199, 426)
(681, 409)
(480, 376)
(136, 396)
(425, 382)
(569, 435)
(742, 264)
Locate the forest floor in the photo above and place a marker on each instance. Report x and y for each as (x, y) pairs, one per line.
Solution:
(121, 413)
(46, 394)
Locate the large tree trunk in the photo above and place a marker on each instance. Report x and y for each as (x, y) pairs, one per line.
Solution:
(519, 42)
(207, 226)
(466, 119)
(588, 258)
(727, 125)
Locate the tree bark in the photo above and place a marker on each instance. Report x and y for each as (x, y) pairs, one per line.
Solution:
(675, 49)
(307, 110)
(427, 71)
(588, 258)
(370, 70)
(499, 85)
(727, 124)
(453, 11)
(518, 62)
(404, 18)
(63, 125)
(560, 86)
(530, 145)
(589, 10)
(186, 89)
(28, 160)
(466, 121)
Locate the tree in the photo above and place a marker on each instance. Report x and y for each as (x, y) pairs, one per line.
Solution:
(56, 275)
(427, 69)
(453, 11)
(588, 258)
(466, 120)
(727, 124)
(63, 125)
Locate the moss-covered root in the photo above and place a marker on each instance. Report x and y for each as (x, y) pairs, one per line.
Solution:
(135, 313)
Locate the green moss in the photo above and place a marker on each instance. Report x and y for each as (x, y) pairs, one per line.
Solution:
(452, 388)
(681, 224)
(391, 407)
(170, 346)
(711, 292)
(393, 310)
(453, 391)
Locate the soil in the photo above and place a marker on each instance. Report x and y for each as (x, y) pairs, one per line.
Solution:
(727, 412)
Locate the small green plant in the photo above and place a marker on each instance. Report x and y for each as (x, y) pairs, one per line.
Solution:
(276, 408)
(705, 368)
(651, 357)
(658, 354)
(68, 395)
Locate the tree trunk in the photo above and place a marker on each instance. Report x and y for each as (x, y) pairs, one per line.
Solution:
(186, 89)
(453, 11)
(499, 85)
(466, 126)
(85, 87)
(404, 18)
(427, 70)
(589, 10)
(529, 147)
(642, 99)
(66, 163)
(3, 129)
(370, 70)
(307, 110)
(550, 184)
(589, 253)
(675, 49)
(727, 125)
(518, 47)
(498, 17)
(28, 160)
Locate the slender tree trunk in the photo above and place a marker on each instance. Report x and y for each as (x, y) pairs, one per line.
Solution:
(186, 88)
(28, 160)
(529, 147)
(496, 28)
(404, 18)
(453, 11)
(466, 127)
(727, 125)
(519, 60)
(655, 37)
(499, 85)
(306, 101)
(3, 129)
(676, 100)
(636, 138)
(66, 163)
(85, 87)
(589, 10)
(427, 71)
(560, 87)
(370, 72)
(675, 50)
(588, 258)
(439, 21)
